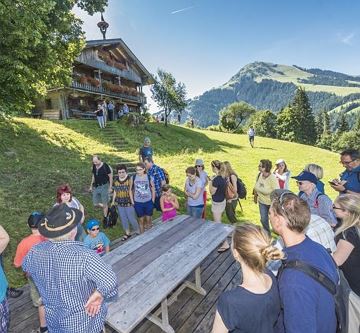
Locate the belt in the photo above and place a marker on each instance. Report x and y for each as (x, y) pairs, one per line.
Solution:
(97, 185)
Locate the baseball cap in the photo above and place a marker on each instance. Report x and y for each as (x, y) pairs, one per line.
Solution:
(34, 219)
(305, 175)
(92, 223)
(280, 161)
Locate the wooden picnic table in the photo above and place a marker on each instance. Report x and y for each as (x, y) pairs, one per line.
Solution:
(155, 264)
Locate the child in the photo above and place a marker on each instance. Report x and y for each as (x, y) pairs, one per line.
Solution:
(96, 240)
(168, 203)
(22, 250)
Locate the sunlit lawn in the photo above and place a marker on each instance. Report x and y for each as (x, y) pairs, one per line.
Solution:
(38, 155)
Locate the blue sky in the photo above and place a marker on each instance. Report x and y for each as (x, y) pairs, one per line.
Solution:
(205, 42)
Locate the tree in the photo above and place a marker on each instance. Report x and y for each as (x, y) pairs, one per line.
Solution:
(264, 123)
(305, 130)
(39, 43)
(168, 94)
(342, 125)
(357, 124)
(285, 124)
(233, 115)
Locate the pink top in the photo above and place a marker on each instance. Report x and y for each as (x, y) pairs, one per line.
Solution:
(169, 214)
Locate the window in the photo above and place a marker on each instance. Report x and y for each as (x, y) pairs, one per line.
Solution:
(48, 103)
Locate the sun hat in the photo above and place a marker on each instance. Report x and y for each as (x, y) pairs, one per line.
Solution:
(280, 161)
(60, 220)
(34, 219)
(92, 223)
(199, 162)
(305, 175)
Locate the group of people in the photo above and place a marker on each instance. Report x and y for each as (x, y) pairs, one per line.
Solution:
(65, 270)
(106, 111)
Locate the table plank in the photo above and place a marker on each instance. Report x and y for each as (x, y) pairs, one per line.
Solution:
(137, 242)
(146, 289)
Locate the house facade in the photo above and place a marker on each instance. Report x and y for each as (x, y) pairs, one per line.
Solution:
(105, 70)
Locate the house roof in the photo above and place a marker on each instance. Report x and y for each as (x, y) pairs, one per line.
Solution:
(119, 42)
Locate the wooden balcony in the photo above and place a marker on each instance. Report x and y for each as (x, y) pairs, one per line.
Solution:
(128, 74)
(102, 91)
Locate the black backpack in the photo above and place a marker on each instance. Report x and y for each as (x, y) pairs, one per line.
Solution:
(111, 218)
(340, 291)
(241, 189)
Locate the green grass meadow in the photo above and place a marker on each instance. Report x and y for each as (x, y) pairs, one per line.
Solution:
(38, 155)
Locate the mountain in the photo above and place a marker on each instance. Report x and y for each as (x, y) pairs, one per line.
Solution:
(272, 86)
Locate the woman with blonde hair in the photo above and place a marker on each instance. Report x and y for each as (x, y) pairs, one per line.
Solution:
(217, 189)
(347, 238)
(254, 305)
(318, 171)
(232, 196)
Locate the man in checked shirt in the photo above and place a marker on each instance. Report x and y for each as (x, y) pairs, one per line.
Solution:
(72, 280)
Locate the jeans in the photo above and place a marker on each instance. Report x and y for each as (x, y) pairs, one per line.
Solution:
(264, 216)
(230, 211)
(101, 121)
(195, 211)
(127, 217)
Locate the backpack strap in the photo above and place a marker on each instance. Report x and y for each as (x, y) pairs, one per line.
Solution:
(312, 272)
(316, 204)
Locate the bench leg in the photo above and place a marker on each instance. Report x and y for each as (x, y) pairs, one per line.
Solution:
(197, 286)
(163, 323)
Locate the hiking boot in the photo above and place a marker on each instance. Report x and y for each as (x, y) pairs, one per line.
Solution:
(14, 293)
(39, 331)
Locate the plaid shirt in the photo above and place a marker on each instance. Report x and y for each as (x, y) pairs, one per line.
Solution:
(66, 274)
(320, 204)
(157, 174)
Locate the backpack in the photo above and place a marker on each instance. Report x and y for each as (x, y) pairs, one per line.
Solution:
(112, 216)
(241, 189)
(344, 297)
(229, 190)
(166, 174)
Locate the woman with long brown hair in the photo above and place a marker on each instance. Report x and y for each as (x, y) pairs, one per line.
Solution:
(231, 202)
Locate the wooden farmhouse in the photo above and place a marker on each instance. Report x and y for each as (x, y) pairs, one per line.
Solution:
(105, 70)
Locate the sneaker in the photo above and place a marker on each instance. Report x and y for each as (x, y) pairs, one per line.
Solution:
(39, 331)
(14, 293)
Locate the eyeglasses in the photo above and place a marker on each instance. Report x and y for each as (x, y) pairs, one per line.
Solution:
(139, 170)
(346, 162)
(95, 229)
(339, 208)
(198, 166)
(121, 171)
(299, 183)
(260, 166)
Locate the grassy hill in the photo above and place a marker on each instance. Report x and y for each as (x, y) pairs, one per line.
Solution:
(38, 155)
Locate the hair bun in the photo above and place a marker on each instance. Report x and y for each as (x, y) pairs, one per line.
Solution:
(270, 252)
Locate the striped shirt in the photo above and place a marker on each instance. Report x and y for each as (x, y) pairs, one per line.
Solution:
(66, 274)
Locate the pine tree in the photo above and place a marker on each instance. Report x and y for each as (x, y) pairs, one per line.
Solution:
(356, 127)
(305, 131)
(342, 125)
(326, 123)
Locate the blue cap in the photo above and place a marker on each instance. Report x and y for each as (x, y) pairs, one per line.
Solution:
(34, 219)
(305, 175)
(92, 223)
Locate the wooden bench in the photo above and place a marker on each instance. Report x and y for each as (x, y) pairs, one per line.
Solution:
(155, 264)
(82, 114)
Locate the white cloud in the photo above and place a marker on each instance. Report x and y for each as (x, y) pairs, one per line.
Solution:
(181, 10)
(346, 38)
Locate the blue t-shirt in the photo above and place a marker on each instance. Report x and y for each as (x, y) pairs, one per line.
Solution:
(146, 152)
(308, 306)
(97, 243)
(3, 284)
(245, 312)
(352, 179)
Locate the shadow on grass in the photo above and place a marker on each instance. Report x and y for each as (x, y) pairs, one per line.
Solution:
(266, 148)
(171, 140)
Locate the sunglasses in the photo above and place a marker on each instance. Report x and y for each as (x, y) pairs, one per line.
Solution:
(299, 183)
(95, 229)
(282, 198)
(346, 162)
(339, 208)
(198, 166)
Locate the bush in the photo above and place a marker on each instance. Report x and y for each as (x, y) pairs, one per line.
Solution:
(325, 141)
(134, 119)
(347, 140)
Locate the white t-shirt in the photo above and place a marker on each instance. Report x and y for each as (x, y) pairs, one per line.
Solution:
(192, 188)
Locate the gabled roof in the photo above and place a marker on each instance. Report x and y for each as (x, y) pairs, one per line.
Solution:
(123, 46)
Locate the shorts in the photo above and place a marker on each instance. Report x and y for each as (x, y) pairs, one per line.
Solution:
(34, 293)
(157, 204)
(251, 138)
(218, 207)
(144, 208)
(100, 194)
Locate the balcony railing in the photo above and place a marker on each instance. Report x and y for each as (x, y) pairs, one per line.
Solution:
(128, 74)
(100, 90)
